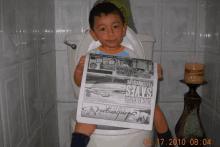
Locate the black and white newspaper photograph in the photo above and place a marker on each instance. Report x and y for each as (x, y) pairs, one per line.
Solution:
(118, 91)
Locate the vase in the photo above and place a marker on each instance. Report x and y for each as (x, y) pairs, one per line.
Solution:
(189, 130)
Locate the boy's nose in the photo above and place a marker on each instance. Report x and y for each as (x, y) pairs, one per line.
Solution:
(110, 33)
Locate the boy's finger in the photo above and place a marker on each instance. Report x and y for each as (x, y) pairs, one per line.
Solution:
(80, 68)
(78, 72)
(81, 63)
(82, 59)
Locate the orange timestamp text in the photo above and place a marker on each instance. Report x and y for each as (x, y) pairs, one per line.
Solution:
(177, 142)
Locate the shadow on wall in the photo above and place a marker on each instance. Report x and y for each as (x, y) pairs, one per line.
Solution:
(124, 6)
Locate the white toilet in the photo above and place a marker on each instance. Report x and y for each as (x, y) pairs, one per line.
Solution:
(105, 136)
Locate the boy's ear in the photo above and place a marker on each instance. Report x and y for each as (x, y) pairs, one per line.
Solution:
(92, 33)
(124, 29)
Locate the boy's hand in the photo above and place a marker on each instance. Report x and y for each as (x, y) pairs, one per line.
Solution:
(159, 70)
(79, 71)
(86, 129)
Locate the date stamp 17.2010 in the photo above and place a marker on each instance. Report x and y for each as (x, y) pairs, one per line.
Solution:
(177, 142)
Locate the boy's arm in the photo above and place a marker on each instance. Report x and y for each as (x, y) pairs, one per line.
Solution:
(79, 71)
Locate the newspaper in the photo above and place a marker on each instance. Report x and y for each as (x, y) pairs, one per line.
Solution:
(118, 91)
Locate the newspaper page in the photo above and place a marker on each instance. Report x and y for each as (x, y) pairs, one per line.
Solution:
(118, 91)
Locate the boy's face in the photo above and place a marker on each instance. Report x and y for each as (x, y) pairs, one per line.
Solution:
(109, 30)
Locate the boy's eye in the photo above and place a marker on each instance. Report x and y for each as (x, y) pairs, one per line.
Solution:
(116, 27)
(102, 29)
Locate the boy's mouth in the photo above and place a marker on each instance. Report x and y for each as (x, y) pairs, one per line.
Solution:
(111, 41)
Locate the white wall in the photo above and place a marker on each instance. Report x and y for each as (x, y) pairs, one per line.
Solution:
(28, 110)
(70, 17)
(210, 110)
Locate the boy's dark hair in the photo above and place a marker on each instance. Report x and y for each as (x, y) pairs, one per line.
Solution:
(105, 8)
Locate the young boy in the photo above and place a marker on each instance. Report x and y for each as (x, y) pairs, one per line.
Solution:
(108, 26)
